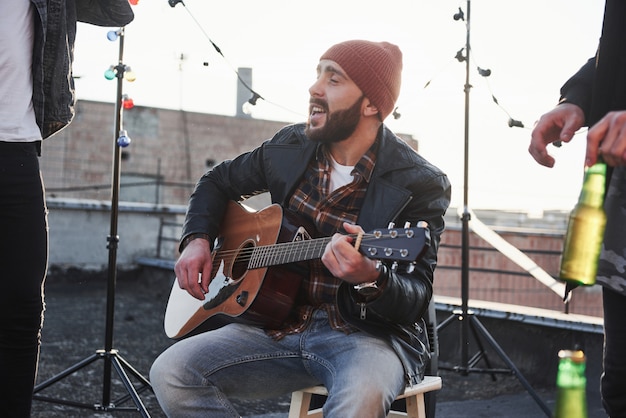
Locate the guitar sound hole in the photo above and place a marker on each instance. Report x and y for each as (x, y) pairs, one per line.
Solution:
(241, 262)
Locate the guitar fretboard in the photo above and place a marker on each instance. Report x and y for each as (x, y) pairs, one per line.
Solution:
(285, 253)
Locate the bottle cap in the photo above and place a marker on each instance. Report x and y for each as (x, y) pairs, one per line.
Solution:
(577, 356)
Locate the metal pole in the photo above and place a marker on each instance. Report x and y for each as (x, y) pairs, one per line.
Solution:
(466, 215)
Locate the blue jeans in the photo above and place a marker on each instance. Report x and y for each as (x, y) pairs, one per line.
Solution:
(23, 261)
(197, 376)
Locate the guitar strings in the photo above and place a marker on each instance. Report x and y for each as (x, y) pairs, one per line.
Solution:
(283, 253)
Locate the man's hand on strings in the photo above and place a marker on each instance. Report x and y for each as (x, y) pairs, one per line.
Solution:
(193, 268)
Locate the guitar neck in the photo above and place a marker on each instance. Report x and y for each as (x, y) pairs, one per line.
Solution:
(289, 252)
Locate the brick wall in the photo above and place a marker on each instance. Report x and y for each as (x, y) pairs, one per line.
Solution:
(493, 277)
(169, 148)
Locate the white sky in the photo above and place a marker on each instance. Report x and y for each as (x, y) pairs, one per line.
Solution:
(531, 48)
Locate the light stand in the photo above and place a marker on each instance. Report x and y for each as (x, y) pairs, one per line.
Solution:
(469, 322)
(109, 355)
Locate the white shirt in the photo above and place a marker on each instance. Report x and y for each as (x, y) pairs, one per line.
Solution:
(17, 116)
(340, 175)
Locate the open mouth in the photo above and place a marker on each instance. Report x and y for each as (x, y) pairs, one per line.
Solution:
(316, 114)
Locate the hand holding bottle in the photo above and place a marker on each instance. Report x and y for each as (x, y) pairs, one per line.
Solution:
(607, 138)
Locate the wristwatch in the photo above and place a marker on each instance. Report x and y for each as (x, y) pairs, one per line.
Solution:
(372, 288)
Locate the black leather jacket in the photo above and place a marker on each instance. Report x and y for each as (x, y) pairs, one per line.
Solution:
(404, 187)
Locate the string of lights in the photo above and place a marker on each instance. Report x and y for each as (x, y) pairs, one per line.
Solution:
(252, 101)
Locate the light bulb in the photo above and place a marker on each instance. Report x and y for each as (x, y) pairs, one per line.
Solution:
(123, 140)
(127, 102)
(130, 75)
(112, 35)
(110, 73)
(246, 108)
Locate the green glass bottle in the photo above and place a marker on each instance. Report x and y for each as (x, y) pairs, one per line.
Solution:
(585, 230)
(571, 399)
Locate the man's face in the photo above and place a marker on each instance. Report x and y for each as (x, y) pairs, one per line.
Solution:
(335, 105)
(339, 125)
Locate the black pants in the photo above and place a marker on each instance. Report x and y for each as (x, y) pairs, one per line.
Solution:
(23, 263)
(614, 375)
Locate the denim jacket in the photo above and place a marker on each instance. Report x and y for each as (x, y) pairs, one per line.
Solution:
(403, 187)
(53, 53)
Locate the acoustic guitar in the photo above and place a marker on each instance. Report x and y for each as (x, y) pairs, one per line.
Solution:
(258, 266)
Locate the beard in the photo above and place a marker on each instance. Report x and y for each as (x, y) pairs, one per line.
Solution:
(339, 125)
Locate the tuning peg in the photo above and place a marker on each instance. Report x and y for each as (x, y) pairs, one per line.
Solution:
(394, 266)
(410, 268)
(422, 224)
(391, 225)
(407, 224)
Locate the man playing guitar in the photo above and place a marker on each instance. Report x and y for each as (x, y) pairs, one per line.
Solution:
(356, 318)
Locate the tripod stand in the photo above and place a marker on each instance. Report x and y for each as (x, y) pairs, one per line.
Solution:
(110, 356)
(465, 316)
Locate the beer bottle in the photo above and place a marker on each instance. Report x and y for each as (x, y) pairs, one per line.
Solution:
(571, 399)
(585, 230)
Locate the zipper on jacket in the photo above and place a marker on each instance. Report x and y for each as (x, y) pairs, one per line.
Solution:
(363, 310)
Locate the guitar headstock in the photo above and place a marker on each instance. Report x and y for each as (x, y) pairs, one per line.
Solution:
(396, 244)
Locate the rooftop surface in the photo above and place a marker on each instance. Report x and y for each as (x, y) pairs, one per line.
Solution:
(75, 328)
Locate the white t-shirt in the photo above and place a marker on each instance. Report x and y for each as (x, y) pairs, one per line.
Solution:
(340, 175)
(17, 116)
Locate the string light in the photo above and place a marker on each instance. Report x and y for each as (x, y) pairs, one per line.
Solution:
(459, 55)
(121, 69)
(127, 102)
(129, 75)
(123, 140)
(112, 35)
(459, 15)
(110, 73)
(484, 73)
(246, 106)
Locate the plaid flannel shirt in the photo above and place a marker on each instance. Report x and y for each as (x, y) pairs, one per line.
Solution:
(327, 211)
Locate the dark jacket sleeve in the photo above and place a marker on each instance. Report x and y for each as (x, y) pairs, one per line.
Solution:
(104, 12)
(578, 89)
(407, 293)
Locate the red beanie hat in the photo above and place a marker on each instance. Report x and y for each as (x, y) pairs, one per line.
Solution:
(375, 67)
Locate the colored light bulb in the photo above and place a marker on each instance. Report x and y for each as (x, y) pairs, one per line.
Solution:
(123, 140)
(130, 75)
(110, 73)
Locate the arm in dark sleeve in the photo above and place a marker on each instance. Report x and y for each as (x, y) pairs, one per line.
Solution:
(407, 294)
(104, 12)
(578, 89)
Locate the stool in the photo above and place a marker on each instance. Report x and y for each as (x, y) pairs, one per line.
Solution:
(414, 396)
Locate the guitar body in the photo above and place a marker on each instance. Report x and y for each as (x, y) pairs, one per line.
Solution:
(262, 296)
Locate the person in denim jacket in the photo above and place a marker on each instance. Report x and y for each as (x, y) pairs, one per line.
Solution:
(36, 101)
